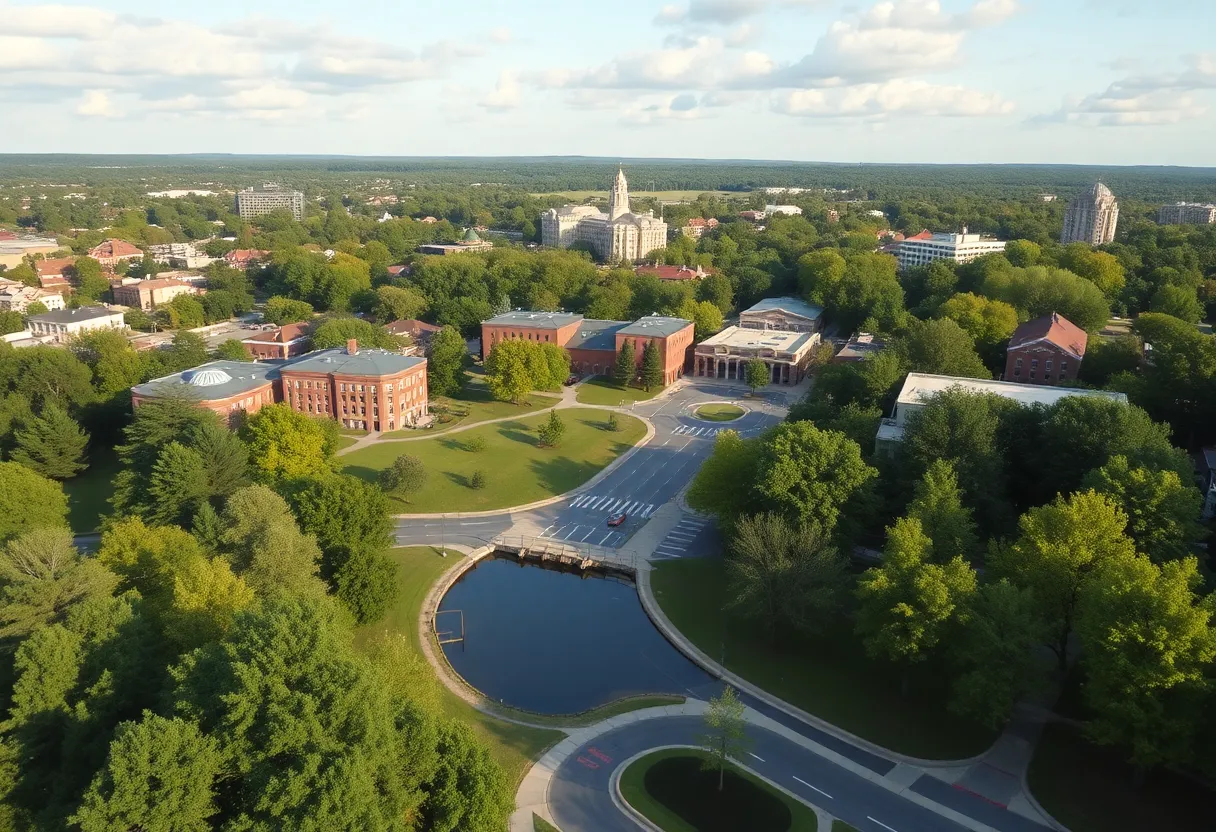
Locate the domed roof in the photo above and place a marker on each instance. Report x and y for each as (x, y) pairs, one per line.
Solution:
(209, 378)
(470, 236)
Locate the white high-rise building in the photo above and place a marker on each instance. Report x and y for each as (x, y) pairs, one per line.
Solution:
(1091, 218)
(1186, 213)
(262, 199)
(961, 248)
(618, 235)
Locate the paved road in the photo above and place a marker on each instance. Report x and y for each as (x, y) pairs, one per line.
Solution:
(473, 532)
(579, 795)
(653, 475)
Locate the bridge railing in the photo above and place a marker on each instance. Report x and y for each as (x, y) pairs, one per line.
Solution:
(547, 545)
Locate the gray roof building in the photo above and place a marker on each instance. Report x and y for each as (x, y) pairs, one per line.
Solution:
(655, 326)
(596, 335)
(71, 316)
(365, 362)
(212, 381)
(536, 320)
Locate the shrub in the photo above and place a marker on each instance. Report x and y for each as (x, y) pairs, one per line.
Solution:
(476, 445)
(478, 480)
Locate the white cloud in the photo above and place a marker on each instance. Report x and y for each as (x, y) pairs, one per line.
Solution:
(96, 103)
(898, 97)
(683, 107)
(505, 95)
(711, 11)
(501, 35)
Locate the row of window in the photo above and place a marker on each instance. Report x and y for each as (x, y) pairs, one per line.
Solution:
(351, 387)
(1034, 366)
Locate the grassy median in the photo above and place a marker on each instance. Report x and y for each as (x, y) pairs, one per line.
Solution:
(515, 468)
(830, 676)
(719, 412)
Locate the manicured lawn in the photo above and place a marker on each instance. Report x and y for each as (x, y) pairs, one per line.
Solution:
(517, 470)
(346, 441)
(88, 493)
(601, 390)
(841, 826)
(1091, 789)
(829, 676)
(539, 824)
(719, 412)
(418, 567)
(620, 706)
(672, 791)
(473, 405)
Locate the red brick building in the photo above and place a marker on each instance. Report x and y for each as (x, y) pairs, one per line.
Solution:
(1047, 350)
(676, 273)
(224, 387)
(591, 344)
(372, 390)
(277, 344)
(112, 253)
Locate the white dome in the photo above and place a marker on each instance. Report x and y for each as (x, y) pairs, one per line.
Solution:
(209, 378)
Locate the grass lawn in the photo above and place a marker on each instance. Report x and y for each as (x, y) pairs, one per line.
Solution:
(620, 706)
(539, 824)
(516, 468)
(1090, 789)
(602, 390)
(719, 412)
(669, 788)
(841, 826)
(514, 746)
(89, 492)
(474, 404)
(828, 677)
(346, 441)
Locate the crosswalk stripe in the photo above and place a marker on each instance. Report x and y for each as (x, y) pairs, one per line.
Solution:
(578, 501)
(600, 502)
(649, 510)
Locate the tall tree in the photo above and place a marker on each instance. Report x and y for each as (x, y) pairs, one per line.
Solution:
(29, 501)
(178, 485)
(782, 574)
(937, 503)
(42, 576)
(265, 545)
(396, 303)
(158, 777)
(725, 732)
(721, 485)
(285, 444)
(281, 310)
(155, 425)
(512, 369)
(652, 367)
(233, 350)
(446, 363)
(757, 374)
(906, 605)
(1055, 555)
(1148, 645)
(53, 444)
(941, 347)
(335, 332)
(625, 368)
(1162, 510)
(469, 790)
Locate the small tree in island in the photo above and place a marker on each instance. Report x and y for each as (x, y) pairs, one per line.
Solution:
(725, 733)
(756, 373)
(551, 432)
(626, 360)
(652, 367)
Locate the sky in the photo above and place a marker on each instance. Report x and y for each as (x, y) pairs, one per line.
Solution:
(1030, 81)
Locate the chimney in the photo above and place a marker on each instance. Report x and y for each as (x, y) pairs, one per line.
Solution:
(352, 347)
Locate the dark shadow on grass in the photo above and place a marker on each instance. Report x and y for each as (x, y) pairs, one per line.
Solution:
(459, 479)
(362, 472)
(558, 474)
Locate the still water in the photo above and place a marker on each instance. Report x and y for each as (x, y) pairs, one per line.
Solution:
(557, 642)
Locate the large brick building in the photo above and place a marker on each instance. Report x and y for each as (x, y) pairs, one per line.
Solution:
(372, 390)
(1047, 350)
(283, 342)
(149, 294)
(592, 344)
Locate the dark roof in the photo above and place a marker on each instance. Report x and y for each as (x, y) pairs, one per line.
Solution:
(412, 326)
(1055, 329)
(371, 363)
(596, 335)
(82, 313)
(285, 333)
(656, 326)
(535, 320)
(211, 381)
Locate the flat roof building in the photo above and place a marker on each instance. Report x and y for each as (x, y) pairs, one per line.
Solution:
(919, 388)
(858, 348)
(785, 314)
(262, 199)
(374, 390)
(63, 324)
(18, 299)
(14, 248)
(470, 242)
(726, 354)
(961, 248)
(1187, 213)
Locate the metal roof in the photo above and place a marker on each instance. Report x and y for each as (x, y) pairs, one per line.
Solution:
(372, 363)
(535, 320)
(655, 326)
(206, 380)
(792, 305)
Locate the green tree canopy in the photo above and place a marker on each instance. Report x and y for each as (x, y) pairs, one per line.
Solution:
(281, 310)
(1162, 509)
(937, 503)
(29, 501)
(53, 444)
(285, 444)
(446, 363)
(335, 332)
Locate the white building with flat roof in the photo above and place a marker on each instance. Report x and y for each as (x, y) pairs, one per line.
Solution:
(1187, 213)
(61, 325)
(787, 210)
(726, 354)
(919, 388)
(961, 248)
(262, 199)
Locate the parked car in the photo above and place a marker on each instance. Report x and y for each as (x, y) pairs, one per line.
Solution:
(572, 379)
(618, 520)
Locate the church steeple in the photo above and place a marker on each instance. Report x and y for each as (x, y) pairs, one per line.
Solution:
(618, 200)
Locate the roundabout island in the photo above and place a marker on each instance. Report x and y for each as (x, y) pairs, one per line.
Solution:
(719, 412)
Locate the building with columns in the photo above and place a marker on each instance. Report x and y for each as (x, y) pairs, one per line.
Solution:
(725, 355)
(614, 237)
(783, 314)
(1091, 218)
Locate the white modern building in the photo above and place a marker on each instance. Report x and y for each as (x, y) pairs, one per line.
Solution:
(919, 388)
(961, 248)
(1091, 218)
(181, 255)
(726, 354)
(787, 210)
(1187, 213)
(18, 298)
(783, 315)
(614, 237)
(262, 199)
(63, 324)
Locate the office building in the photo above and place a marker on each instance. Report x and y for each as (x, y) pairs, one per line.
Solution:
(961, 248)
(62, 325)
(1091, 218)
(1187, 213)
(262, 199)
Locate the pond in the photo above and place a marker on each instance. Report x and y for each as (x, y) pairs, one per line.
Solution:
(557, 642)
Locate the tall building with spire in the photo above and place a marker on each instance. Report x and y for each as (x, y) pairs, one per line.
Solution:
(1091, 218)
(620, 235)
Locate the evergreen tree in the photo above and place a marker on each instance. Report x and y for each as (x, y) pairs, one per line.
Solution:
(625, 367)
(652, 367)
(937, 503)
(551, 432)
(53, 444)
(178, 485)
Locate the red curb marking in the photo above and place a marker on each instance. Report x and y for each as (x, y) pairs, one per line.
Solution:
(588, 763)
(980, 796)
(599, 755)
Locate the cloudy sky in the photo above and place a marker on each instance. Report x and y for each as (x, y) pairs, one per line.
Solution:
(1086, 81)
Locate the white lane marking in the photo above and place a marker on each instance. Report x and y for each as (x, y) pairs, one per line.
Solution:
(545, 533)
(481, 523)
(816, 788)
(649, 510)
(578, 501)
(880, 823)
(583, 539)
(599, 503)
(605, 540)
(678, 533)
(757, 756)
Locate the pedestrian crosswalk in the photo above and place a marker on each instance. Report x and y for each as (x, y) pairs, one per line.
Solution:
(677, 541)
(614, 505)
(692, 430)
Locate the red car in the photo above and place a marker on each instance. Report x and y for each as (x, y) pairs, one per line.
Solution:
(572, 379)
(618, 520)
